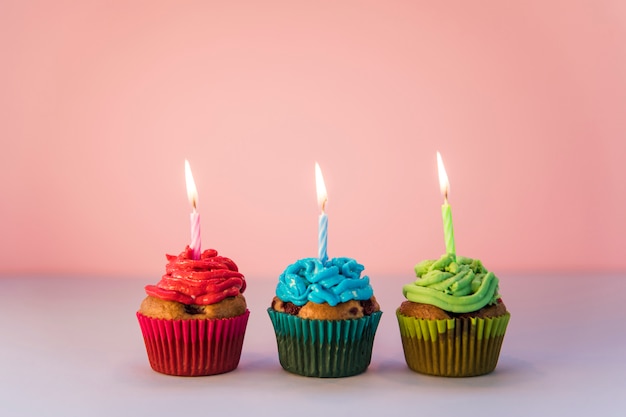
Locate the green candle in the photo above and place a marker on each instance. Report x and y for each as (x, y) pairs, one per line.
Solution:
(448, 229)
(446, 211)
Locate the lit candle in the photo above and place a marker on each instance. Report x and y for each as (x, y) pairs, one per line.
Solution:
(446, 211)
(322, 199)
(192, 194)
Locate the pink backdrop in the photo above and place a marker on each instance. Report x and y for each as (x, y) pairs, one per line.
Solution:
(101, 102)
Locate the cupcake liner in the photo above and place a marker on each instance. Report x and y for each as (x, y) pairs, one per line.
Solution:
(324, 348)
(193, 347)
(456, 347)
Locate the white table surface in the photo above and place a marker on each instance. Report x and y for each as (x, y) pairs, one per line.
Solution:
(72, 347)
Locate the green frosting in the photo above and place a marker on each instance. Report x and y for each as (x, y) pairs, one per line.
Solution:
(453, 283)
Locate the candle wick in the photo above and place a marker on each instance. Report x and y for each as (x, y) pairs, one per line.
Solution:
(324, 205)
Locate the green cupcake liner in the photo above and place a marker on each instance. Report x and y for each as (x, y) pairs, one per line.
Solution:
(324, 348)
(456, 347)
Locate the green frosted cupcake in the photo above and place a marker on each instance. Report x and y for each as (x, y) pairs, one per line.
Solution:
(453, 322)
(325, 318)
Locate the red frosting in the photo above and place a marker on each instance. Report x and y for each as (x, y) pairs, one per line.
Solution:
(207, 280)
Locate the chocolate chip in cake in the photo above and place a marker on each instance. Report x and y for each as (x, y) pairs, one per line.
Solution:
(291, 308)
(368, 307)
(193, 309)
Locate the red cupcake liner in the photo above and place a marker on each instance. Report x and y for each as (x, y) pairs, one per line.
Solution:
(193, 347)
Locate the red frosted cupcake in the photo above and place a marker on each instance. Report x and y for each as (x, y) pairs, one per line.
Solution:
(194, 320)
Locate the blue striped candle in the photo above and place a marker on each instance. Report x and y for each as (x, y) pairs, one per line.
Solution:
(322, 251)
(322, 199)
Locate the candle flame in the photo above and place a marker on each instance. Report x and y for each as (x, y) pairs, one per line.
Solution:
(192, 192)
(444, 184)
(322, 195)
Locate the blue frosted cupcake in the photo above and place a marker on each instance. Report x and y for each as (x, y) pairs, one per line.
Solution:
(325, 317)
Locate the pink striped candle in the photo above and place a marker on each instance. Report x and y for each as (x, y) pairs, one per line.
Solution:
(192, 194)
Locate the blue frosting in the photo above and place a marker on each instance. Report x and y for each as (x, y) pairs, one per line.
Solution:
(336, 281)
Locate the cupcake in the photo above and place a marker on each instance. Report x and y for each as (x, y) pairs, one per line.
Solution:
(453, 321)
(325, 317)
(194, 320)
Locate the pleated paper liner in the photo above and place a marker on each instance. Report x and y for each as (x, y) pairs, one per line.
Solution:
(457, 347)
(324, 348)
(193, 347)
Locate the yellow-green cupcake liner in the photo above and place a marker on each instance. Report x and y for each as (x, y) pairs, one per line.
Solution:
(456, 347)
(324, 348)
